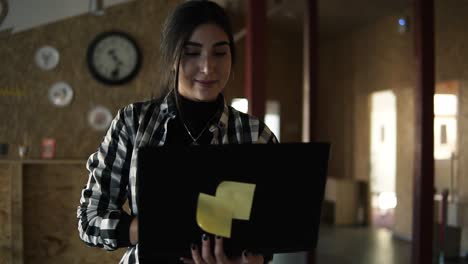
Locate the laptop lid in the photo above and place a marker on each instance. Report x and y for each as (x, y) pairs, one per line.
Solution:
(286, 181)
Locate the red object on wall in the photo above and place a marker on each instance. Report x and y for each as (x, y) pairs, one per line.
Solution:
(48, 148)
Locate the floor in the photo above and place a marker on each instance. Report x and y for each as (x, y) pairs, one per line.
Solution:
(359, 245)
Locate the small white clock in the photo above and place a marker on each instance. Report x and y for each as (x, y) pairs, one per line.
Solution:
(47, 57)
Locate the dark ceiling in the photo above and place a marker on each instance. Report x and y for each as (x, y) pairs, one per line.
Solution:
(335, 16)
(341, 15)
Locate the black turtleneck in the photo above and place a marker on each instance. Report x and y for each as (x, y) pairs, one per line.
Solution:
(196, 116)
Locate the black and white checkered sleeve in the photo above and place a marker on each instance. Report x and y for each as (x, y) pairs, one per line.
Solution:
(266, 135)
(101, 220)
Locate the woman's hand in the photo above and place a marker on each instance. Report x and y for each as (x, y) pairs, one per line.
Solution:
(219, 257)
(134, 231)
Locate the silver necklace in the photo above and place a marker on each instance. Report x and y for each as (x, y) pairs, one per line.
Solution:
(194, 139)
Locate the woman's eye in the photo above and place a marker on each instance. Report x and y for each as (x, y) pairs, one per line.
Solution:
(191, 54)
(220, 54)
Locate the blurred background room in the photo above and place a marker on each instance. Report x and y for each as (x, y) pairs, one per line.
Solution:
(346, 72)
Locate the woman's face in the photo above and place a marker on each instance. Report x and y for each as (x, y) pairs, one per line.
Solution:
(205, 63)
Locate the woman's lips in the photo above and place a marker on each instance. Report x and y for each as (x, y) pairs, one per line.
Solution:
(206, 83)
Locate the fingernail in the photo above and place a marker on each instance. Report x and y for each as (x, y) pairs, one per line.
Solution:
(204, 237)
(193, 246)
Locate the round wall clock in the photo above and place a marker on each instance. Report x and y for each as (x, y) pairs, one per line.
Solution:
(99, 118)
(47, 57)
(114, 58)
(60, 94)
(3, 10)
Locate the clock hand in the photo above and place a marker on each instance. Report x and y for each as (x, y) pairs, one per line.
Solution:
(115, 73)
(111, 52)
(116, 59)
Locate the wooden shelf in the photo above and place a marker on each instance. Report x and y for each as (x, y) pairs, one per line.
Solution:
(16, 170)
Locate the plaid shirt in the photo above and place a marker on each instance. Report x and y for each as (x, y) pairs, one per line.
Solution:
(112, 168)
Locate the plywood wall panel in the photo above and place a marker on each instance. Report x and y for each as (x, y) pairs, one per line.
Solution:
(6, 173)
(51, 197)
(29, 116)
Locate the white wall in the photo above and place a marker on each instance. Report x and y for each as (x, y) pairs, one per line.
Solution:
(27, 14)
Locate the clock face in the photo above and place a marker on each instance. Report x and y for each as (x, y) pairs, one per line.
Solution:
(114, 58)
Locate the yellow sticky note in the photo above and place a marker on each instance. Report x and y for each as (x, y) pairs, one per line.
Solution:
(214, 216)
(239, 195)
(233, 200)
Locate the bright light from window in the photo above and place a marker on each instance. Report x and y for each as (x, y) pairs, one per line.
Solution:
(240, 104)
(387, 200)
(445, 104)
(272, 113)
(272, 117)
(445, 125)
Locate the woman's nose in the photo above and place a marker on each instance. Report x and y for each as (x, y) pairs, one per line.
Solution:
(206, 64)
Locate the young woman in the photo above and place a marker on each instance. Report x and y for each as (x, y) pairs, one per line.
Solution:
(198, 51)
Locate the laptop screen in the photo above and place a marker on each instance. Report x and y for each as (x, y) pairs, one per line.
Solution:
(265, 198)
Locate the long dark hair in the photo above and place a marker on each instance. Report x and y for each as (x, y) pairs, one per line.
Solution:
(178, 28)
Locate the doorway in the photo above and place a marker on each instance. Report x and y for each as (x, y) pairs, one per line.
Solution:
(383, 158)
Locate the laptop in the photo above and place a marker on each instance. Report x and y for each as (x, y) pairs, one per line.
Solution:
(281, 189)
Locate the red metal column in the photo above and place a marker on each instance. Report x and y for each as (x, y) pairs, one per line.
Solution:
(423, 204)
(255, 68)
(311, 43)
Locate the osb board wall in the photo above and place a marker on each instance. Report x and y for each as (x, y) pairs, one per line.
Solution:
(51, 196)
(335, 106)
(27, 114)
(5, 213)
(30, 117)
(52, 191)
(375, 58)
(372, 58)
(405, 163)
(384, 60)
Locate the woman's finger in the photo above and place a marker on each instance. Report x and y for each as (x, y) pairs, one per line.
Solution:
(206, 250)
(248, 257)
(196, 255)
(187, 261)
(256, 259)
(219, 250)
(245, 256)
